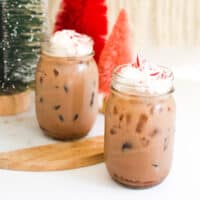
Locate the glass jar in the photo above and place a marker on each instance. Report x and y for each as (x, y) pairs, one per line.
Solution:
(66, 95)
(139, 134)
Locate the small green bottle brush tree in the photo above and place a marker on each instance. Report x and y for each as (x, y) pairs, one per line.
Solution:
(21, 28)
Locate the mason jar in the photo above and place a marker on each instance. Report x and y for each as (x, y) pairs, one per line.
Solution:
(139, 131)
(66, 94)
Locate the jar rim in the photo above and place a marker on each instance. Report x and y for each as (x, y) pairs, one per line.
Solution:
(119, 83)
(144, 95)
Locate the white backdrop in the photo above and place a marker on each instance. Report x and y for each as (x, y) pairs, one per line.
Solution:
(157, 23)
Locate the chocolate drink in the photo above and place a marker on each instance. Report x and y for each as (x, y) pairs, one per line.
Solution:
(66, 95)
(139, 134)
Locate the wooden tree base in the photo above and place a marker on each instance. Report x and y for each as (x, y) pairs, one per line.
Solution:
(14, 104)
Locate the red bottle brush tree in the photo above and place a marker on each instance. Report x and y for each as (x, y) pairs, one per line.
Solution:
(86, 17)
(118, 50)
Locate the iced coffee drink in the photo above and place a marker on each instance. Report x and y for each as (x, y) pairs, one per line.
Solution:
(140, 125)
(67, 86)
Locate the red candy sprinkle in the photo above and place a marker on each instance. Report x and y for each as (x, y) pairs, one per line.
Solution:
(155, 74)
(138, 61)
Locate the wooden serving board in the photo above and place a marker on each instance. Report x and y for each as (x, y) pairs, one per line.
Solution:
(58, 156)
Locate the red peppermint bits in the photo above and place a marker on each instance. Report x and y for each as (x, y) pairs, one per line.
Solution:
(154, 74)
(137, 63)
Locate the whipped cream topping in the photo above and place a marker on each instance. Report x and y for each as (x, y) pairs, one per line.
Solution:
(146, 78)
(68, 43)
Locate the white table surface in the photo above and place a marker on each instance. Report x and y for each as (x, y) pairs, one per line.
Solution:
(94, 182)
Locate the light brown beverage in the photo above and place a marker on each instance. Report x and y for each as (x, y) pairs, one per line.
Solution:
(139, 135)
(66, 95)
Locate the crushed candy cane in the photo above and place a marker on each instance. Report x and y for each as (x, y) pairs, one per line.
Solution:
(144, 77)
